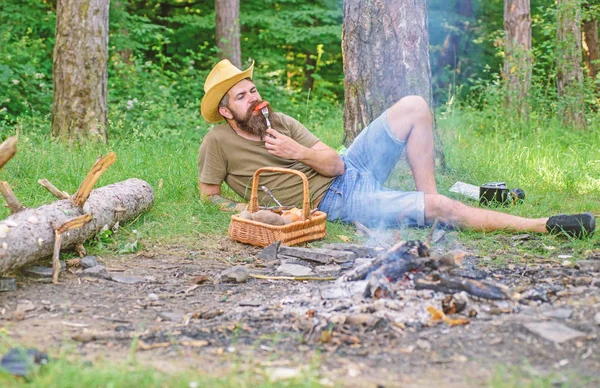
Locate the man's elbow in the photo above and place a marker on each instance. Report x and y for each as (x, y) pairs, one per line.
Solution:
(342, 168)
(339, 168)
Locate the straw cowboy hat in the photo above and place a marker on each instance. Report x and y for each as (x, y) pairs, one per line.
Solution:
(220, 79)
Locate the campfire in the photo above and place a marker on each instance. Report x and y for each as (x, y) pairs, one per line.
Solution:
(406, 284)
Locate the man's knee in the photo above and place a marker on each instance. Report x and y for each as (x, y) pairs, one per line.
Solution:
(410, 108)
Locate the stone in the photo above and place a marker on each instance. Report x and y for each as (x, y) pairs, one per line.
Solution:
(270, 252)
(8, 284)
(589, 265)
(336, 293)
(437, 235)
(328, 268)
(282, 373)
(88, 261)
(128, 279)
(173, 316)
(317, 255)
(294, 269)
(38, 271)
(423, 344)
(283, 259)
(237, 274)
(597, 319)
(22, 362)
(98, 272)
(561, 313)
(554, 331)
(359, 250)
(361, 261)
(42, 272)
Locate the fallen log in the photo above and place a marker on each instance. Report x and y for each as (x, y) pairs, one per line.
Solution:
(29, 235)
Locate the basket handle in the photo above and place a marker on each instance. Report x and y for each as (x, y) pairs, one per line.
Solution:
(254, 193)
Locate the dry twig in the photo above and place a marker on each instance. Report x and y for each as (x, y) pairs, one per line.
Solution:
(11, 199)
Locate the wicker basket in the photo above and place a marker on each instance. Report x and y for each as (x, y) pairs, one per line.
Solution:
(309, 227)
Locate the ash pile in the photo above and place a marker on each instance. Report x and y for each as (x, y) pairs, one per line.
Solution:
(409, 285)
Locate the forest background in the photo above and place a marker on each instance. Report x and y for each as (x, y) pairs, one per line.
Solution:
(161, 51)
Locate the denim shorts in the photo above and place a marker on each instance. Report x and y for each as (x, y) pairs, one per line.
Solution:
(359, 195)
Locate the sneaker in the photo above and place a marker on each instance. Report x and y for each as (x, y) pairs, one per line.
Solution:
(575, 225)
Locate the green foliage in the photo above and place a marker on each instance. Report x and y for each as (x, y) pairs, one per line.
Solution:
(160, 53)
(26, 43)
(557, 169)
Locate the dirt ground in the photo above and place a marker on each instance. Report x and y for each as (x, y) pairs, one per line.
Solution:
(185, 318)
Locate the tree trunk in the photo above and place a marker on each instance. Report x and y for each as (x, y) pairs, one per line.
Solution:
(518, 59)
(590, 46)
(309, 69)
(227, 20)
(79, 108)
(569, 71)
(29, 234)
(449, 54)
(386, 57)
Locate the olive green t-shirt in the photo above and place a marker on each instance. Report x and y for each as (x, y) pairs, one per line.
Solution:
(226, 156)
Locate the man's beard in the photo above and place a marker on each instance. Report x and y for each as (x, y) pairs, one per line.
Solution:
(252, 123)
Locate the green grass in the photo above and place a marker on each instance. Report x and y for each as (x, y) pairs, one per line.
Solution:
(66, 369)
(559, 169)
(178, 213)
(527, 377)
(65, 374)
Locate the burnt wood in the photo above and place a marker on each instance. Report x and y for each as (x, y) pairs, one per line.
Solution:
(317, 255)
(359, 250)
(403, 251)
(451, 285)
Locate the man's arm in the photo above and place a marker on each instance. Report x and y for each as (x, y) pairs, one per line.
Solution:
(213, 194)
(320, 157)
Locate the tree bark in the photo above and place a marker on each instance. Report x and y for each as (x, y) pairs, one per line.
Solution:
(518, 59)
(79, 107)
(309, 69)
(227, 21)
(386, 57)
(590, 47)
(569, 71)
(29, 234)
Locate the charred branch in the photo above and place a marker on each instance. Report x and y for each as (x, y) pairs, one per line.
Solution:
(450, 284)
(403, 251)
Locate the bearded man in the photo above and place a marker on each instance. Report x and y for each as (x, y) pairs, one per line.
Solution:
(349, 187)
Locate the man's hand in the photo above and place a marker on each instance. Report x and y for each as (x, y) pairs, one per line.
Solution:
(227, 204)
(283, 146)
(320, 157)
(213, 194)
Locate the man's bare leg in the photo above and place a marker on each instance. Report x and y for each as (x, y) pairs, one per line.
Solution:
(411, 121)
(456, 213)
